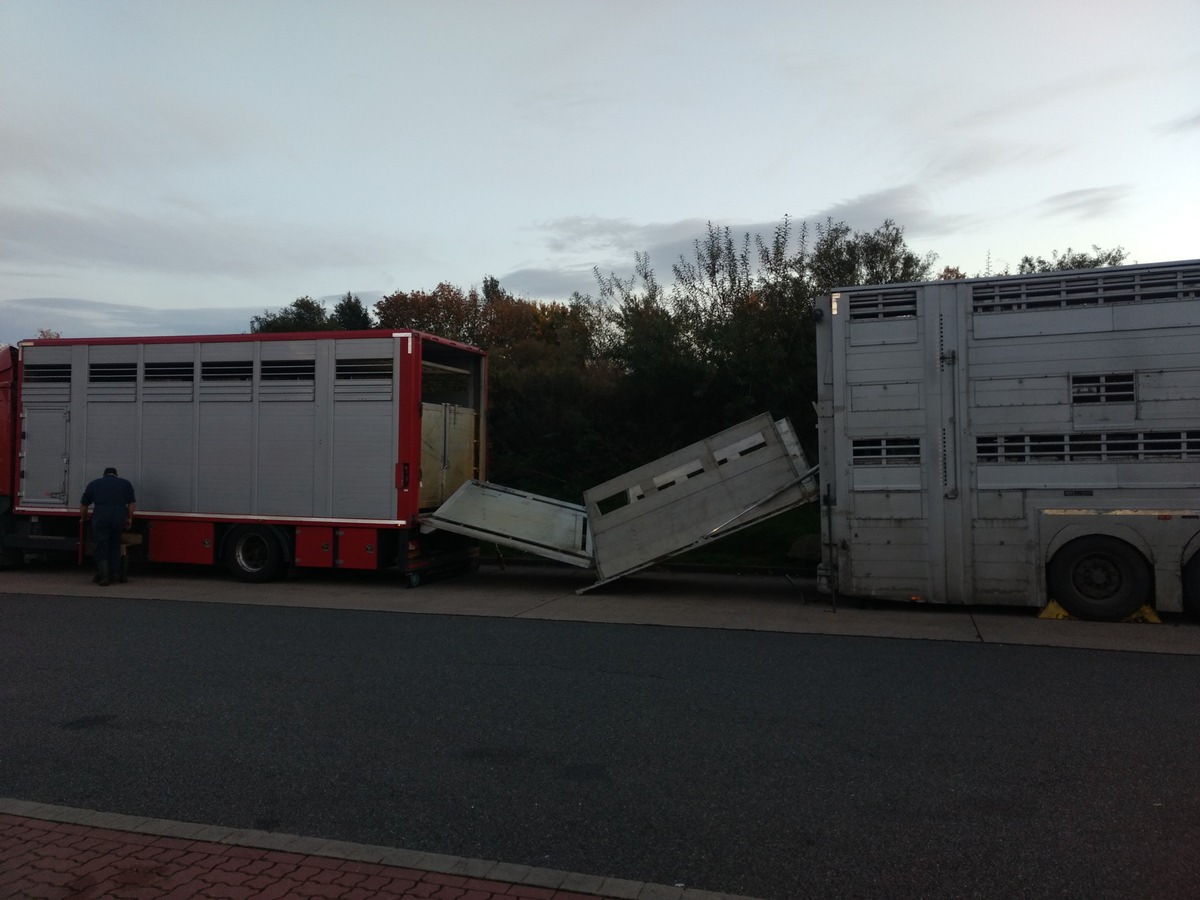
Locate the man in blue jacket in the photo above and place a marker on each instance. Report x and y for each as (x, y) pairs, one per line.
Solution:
(113, 501)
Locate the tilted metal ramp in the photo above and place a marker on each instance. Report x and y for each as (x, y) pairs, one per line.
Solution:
(711, 489)
(714, 488)
(541, 525)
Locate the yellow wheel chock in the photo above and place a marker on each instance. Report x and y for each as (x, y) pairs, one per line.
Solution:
(1146, 614)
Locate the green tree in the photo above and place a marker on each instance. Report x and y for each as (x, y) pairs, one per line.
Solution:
(649, 346)
(351, 315)
(842, 258)
(734, 334)
(548, 402)
(1073, 259)
(749, 317)
(304, 314)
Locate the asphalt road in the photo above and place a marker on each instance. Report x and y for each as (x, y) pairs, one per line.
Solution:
(775, 765)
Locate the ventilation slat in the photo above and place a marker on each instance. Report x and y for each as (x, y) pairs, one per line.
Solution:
(1073, 290)
(882, 304)
(1089, 447)
(894, 451)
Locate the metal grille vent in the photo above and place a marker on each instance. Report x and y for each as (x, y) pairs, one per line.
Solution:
(1041, 448)
(220, 370)
(1113, 388)
(882, 304)
(48, 373)
(170, 371)
(360, 369)
(1102, 288)
(289, 370)
(112, 373)
(886, 451)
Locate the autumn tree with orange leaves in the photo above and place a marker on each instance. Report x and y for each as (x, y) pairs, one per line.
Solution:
(543, 376)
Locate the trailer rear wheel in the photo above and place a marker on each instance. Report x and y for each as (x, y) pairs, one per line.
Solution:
(252, 553)
(1099, 577)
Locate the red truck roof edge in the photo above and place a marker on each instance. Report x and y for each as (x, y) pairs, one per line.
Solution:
(234, 338)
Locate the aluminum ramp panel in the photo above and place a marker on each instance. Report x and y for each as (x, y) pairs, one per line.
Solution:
(704, 492)
(540, 525)
(714, 488)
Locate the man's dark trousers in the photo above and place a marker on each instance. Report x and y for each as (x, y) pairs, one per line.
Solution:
(106, 535)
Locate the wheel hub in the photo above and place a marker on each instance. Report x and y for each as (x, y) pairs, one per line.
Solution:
(1097, 578)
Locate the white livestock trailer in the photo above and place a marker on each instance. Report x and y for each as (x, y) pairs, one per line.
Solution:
(1014, 440)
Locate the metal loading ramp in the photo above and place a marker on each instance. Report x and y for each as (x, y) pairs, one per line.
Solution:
(704, 492)
(541, 525)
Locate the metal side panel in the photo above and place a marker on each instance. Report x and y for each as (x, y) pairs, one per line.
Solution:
(713, 488)
(550, 528)
(45, 458)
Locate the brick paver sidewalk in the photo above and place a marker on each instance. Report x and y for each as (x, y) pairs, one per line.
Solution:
(59, 852)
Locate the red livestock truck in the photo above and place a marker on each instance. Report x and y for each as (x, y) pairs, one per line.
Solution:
(259, 452)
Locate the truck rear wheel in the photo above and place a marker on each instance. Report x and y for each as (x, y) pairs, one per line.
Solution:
(1099, 577)
(252, 553)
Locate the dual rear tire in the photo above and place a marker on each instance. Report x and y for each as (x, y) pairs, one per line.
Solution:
(1100, 577)
(253, 553)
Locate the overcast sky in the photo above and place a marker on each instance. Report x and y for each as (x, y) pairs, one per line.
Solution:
(176, 167)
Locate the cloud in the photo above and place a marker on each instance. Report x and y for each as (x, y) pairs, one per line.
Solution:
(576, 234)
(978, 158)
(1087, 203)
(88, 318)
(549, 283)
(908, 205)
(1181, 126)
(1060, 93)
(65, 138)
(72, 317)
(580, 244)
(178, 241)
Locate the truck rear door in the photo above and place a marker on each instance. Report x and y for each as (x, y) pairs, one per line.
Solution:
(44, 458)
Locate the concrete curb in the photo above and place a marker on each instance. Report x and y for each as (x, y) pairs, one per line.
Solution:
(552, 879)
